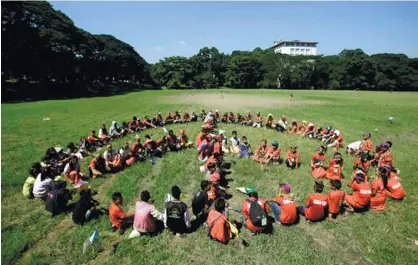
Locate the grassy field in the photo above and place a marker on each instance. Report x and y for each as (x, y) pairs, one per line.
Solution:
(31, 236)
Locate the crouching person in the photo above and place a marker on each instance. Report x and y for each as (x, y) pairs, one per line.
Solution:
(148, 220)
(219, 228)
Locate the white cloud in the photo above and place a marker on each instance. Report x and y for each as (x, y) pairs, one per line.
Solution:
(183, 43)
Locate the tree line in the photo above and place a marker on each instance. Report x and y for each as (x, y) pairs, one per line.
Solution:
(44, 55)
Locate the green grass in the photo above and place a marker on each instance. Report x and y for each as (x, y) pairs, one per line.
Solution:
(30, 236)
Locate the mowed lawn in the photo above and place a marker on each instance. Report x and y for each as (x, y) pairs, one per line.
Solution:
(31, 236)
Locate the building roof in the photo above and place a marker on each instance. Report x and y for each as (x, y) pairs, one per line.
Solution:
(277, 43)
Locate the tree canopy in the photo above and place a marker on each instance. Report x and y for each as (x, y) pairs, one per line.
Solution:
(44, 55)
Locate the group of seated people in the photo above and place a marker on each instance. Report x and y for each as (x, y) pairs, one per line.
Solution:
(212, 147)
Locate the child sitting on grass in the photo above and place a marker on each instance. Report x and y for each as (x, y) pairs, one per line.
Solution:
(335, 200)
(292, 158)
(284, 207)
(316, 204)
(119, 219)
(219, 228)
(245, 148)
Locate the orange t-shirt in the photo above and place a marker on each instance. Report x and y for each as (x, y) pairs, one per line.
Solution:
(199, 139)
(215, 177)
(220, 229)
(91, 138)
(316, 204)
(116, 215)
(211, 193)
(288, 210)
(395, 189)
(211, 159)
(378, 202)
(385, 158)
(332, 162)
(217, 148)
(365, 165)
(362, 193)
(366, 145)
(92, 163)
(246, 212)
(290, 155)
(335, 201)
(275, 153)
(260, 150)
(317, 156)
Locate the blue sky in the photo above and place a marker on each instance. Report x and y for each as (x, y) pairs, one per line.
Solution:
(161, 29)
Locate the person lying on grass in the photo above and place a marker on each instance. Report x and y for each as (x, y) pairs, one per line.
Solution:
(258, 120)
(378, 186)
(103, 134)
(235, 146)
(34, 171)
(316, 204)
(272, 154)
(219, 228)
(97, 166)
(85, 208)
(203, 199)
(360, 199)
(284, 207)
(260, 152)
(126, 156)
(255, 212)
(148, 220)
(119, 219)
(113, 160)
(335, 200)
(176, 217)
(292, 158)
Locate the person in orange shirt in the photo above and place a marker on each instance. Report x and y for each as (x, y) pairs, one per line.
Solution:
(184, 140)
(97, 166)
(378, 199)
(317, 163)
(272, 154)
(292, 158)
(255, 213)
(335, 167)
(362, 162)
(200, 137)
(335, 200)
(293, 127)
(316, 204)
(337, 141)
(394, 189)
(258, 120)
(385, 156)
(224, 117)
(93, 140)
(119, 219)
(302, 128)
(310, 131)
(173, 141)
(231, 118)
(284, 207)
(217, 147)
(219, 228)
(249, 119)
(186, 117)
(366, 145)
(169, 118)
(260, 151)
(361, 195)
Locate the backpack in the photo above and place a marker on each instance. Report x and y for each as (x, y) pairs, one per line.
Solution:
(57, 199)
(198, 203)
(258, 215)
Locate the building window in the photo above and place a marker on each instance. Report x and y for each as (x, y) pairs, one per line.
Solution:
(292, 49)
(308, 51)
(297, 50)
(302, 50)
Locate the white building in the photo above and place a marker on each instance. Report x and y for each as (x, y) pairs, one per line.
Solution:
(295, 47)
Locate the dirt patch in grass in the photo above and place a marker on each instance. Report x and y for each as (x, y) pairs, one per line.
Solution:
(238, 102)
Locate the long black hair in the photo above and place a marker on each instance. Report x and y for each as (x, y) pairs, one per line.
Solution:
(35, 169)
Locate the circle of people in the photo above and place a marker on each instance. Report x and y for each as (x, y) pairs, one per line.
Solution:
(48, 179)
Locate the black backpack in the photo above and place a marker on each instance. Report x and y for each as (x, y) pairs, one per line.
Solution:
(258, 215)
(198, 203)
(57, 199)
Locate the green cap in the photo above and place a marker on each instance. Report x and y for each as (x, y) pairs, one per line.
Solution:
(275, 143)
(250, 190)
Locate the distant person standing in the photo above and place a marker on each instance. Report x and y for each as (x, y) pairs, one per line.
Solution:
(222, 94)
(292, 97)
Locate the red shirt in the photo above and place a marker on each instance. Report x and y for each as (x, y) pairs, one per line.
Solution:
(317, 156)
(275, 153)
(215, 177)
(335, 201)
(288, 210)
(116, 215)
(316, 204)
(365, 165)
(246, 212)
(395, 188)
(211, 159)
(362, 193)
(290, 155)
(217, 148)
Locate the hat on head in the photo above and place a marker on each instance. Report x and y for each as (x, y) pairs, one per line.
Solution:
(285, 186)
(275, 143)
(250, 190)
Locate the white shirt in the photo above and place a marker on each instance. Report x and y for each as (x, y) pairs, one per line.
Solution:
(282, 124)
(354, 146)
(124, 153)
(101, 135)
(41, 188)
(67, 168)
(234, 141)
(109, 156)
